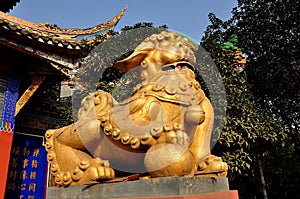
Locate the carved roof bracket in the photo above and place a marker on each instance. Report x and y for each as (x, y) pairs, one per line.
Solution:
(36, 83)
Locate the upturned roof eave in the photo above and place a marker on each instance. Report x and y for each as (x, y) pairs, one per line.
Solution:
(63, 48)
(70, 35)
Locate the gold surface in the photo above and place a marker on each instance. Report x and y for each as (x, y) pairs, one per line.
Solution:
(168, 120)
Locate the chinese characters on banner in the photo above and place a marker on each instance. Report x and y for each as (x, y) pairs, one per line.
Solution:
(27, 174)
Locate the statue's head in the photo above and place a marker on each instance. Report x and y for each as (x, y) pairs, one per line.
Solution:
(157, 52)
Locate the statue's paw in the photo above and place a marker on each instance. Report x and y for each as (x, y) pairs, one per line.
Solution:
(95, 170)
(213, 165)
(98, 174)
(88, 171)
(95, 162)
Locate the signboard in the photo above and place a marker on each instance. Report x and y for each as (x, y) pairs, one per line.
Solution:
(27, 173)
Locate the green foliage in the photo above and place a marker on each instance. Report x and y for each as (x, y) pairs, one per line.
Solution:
(229, 45)
(263, 115)
(249, 130)
(272, 46)
(141, 25)
(269, 34)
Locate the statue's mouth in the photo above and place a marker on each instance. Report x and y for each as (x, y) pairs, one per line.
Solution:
(168, 68)
(178, 66)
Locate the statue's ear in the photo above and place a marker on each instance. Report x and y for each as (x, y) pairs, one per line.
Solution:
(131, 61)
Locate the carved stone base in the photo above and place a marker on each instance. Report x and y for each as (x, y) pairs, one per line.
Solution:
(165, 187)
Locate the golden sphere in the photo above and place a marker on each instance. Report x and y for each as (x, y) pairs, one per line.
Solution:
(169, 160)
(194, 115)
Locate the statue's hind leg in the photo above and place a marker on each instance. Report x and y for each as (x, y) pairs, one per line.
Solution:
(70, 162)
(206, 164)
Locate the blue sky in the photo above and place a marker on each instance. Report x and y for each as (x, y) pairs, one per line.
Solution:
(189, 17)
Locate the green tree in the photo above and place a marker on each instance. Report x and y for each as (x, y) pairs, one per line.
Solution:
(250, 133)
(269, 35)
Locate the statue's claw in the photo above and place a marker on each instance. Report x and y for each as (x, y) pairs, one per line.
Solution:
(98, 173)
(93, 170)
(99, 170)
(212, 166)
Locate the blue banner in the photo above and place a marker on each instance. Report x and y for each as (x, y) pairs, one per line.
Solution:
(27, 174)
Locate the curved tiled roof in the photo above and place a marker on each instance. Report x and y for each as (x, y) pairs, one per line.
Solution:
(63, 48)
(72, 42)
(6, 5)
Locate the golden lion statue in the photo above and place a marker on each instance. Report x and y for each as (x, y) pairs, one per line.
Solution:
(163, 129)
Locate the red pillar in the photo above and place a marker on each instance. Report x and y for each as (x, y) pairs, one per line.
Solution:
(7, 122)
(5, 147)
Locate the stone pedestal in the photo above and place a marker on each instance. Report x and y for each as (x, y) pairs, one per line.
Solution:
(162, 188)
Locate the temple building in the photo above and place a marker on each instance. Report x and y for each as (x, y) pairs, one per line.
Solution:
(33, 58)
